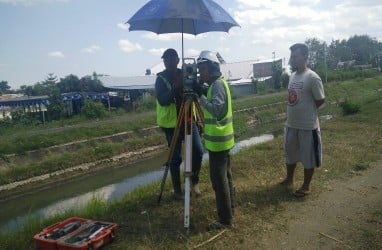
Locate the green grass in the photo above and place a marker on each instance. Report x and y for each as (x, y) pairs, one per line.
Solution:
(19, 141)
(21, 138)
(16, 171)
(350, 144)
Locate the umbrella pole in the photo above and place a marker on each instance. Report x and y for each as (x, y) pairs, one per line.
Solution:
(182, 45)
(182, 49)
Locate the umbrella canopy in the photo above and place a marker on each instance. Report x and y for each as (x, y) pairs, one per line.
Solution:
(181, 16)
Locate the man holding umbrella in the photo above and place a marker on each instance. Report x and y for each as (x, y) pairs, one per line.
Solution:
(218, 134)
(184, 17)
(169, 92)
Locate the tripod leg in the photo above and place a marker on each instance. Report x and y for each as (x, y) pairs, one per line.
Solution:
(171, 152)
(163, 182)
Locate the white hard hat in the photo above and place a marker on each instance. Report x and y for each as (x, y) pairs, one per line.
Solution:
(207, 55)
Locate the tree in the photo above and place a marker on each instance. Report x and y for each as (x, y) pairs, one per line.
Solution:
(276, 73)
(339, 51)
(364, 49)
(317, 53)
(4, 87)
(50, 81)
(284, 80)
(89, 84)
(56, 108)
(26, 90)
(70, 83)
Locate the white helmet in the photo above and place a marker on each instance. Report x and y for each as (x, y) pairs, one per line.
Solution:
(207, 55)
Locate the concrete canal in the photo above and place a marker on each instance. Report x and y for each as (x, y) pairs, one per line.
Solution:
(105, 184)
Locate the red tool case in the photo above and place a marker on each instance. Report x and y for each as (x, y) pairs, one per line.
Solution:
(76, 233)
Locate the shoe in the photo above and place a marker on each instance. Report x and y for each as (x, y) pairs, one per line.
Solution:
(217, 225)
(178, 196)
(197, 190)
(300, 193)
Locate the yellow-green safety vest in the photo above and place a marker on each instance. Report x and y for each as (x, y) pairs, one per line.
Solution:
(166, 115)
(218, 135)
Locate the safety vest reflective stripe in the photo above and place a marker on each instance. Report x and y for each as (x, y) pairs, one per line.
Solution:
(166, 115)
(218, 138)
(214, 121)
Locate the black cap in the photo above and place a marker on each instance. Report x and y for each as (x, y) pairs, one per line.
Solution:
(170, 53)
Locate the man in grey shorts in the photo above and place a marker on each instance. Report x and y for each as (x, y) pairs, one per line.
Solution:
(302, 139)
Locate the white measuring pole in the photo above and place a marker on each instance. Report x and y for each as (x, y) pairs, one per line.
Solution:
(187, 184)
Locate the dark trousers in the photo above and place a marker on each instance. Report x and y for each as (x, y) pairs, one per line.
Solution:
(221, 179)
(176, 160)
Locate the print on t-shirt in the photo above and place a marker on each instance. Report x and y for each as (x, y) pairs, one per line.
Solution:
(293, 90)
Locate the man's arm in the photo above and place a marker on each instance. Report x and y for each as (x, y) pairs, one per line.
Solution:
(218, 105)
(318, 91)
(319, 102)
(164, 95)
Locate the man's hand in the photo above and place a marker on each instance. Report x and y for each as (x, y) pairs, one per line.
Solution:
(200, 89)
(319, 103)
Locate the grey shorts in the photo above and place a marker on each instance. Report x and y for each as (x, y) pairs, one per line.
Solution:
(303, 146)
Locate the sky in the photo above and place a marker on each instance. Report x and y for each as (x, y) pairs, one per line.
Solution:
(79, 37)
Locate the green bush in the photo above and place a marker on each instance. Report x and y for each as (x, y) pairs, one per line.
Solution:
(342, 75)
(103, 150)
(264, 87)
(349, 108)
(6, 123)
(146, 104)
(93, 109)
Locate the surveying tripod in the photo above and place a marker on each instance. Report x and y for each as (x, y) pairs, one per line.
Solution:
(189, 110)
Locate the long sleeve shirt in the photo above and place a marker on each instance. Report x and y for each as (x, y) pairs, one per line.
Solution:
(166, 96)
(218, 106)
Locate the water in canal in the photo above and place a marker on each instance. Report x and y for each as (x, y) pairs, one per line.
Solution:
(106, 184)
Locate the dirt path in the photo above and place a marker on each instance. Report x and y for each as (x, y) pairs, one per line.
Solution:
(348, 216)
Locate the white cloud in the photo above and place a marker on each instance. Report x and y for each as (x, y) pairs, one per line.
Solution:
(30, 2)
(223, 50)
(156, 52)
(303, 2)
(91, 49)
(127, 46)
(193, 52)
(346, 22)
(123, 26)
(267, 22)
(261, 4)
(171, 37)
(364, 3)
(57, 54)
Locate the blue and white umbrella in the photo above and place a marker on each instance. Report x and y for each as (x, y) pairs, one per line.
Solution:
(181, 16)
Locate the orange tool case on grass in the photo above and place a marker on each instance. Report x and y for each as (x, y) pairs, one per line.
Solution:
(76, 233)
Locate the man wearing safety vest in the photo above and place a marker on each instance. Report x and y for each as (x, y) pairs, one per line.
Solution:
(218, 134)
(169, 93)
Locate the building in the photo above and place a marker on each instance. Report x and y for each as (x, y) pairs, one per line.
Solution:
(239, 75)
(39, 104)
